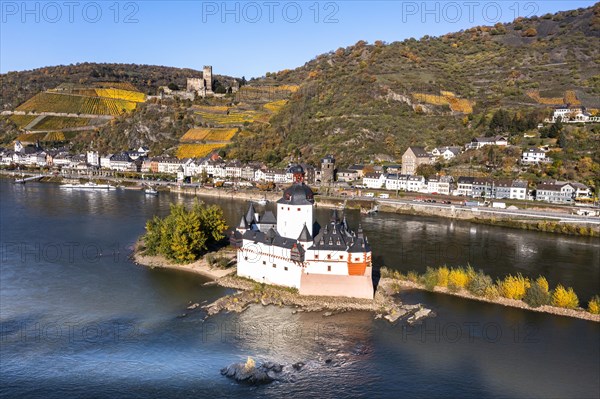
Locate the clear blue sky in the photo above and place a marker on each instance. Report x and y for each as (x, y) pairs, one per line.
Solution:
(238, 38)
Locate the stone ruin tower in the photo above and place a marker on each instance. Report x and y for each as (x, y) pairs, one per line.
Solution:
(328, 169)
(203, 85)
(207, 76)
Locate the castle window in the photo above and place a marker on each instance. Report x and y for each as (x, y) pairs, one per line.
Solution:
(298, 209)
(264, 262)
(316, 256)
(356, 259)
(245, 258)
(328, 268)
(341, 256)
(288, 208)
(274, 266)
(328, 256)
(285, 268)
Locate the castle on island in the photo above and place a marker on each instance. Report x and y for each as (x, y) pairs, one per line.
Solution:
(292, 249)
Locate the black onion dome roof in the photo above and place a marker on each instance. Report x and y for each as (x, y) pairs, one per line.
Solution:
(297, 194)
(296, 169)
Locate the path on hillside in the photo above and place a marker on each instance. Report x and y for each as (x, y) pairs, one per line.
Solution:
(90, 116)
(34, 122)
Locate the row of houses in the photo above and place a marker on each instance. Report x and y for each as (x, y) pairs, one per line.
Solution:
(478, 187)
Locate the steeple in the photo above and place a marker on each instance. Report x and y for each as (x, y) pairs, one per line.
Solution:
(243, 224)
(305, 235)
(334, 216)
(250, 219)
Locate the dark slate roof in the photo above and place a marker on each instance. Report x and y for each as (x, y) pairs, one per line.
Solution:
(297, 194)
(296, 169)
(466, 180)
(122, 157)
(268, 218)
(419, 152)
(250, 215)
(243, 224)
(305, 235)
(270, 238)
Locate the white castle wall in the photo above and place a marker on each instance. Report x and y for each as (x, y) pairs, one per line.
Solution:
(291, 219)
(256, 260)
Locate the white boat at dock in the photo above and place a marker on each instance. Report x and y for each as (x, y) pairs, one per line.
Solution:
(87, 186)
(151, 192)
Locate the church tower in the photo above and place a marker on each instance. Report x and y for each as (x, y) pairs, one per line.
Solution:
(295, 208)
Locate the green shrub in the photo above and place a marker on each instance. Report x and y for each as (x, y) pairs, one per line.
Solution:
(412, 276)
(492, 292)
(480, 283)
(429, 279)
(537, 295)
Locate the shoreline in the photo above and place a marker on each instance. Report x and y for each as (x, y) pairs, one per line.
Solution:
(383, 304)
(579, 313)
(540, 224)
(200, 267)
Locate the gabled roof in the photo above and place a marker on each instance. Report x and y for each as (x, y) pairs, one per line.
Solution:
(465, 180)
(419, 152)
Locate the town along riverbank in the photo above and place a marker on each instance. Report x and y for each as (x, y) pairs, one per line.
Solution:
(558, 223)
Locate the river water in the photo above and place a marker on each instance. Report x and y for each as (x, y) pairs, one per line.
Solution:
(78, 319)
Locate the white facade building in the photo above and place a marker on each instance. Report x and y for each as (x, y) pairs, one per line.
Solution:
(331, 260)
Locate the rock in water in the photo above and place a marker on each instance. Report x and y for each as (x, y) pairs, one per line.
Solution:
(254, 375)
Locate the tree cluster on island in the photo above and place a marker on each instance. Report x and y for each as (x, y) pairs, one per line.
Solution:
(185, 234)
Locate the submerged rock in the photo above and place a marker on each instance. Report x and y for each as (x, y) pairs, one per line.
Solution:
(241, 373)
(420, 315)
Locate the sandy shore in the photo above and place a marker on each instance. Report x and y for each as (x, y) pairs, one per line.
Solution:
(200, 267)
(577, 313)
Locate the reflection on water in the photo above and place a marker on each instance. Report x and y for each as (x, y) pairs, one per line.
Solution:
(77, 317)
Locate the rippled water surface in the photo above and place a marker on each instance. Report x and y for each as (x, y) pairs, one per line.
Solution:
(78, 319)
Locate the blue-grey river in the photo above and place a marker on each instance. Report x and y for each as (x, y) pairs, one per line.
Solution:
(79, 319)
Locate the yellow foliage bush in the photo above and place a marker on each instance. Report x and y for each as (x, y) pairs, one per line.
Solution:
(594, 305)
(542, 283)
(459, 278)
(443, 274)
(565, 298)
(514, 287)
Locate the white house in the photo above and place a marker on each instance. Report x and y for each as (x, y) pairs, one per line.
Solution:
(440, 185)
(533, 156)
(479, 142)
(465, 186)
(416, 184)
(374, 180)
(92, 158)
(446, 153)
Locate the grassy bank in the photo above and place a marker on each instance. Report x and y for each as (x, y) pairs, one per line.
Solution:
(515, 291)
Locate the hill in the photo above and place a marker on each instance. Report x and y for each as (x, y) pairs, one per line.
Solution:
(374, 100)
(115, 90)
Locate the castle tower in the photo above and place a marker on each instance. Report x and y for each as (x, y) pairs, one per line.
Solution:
(207, 76)
(295, 208)
(328, 169)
